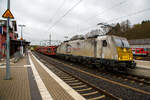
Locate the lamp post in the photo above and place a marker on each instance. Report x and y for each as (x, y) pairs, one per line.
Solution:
(21, 38)
(7, 46)
(9, 16)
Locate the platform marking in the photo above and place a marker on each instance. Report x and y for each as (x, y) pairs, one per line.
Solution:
(75, 95)
(42, 88)
(27, 65)
(2, 67)
(143, 67)
(16, 66)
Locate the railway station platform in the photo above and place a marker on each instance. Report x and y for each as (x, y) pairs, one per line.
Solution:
(143, 64)
(32, 80)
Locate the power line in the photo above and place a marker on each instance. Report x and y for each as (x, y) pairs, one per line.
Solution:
(131, 14)
(65, 14)
(112, 7)
(61, 5)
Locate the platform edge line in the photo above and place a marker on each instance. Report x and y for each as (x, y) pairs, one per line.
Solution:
(41, 86)
(75, 95)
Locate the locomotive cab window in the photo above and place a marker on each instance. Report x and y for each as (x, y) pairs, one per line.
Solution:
(104, 43)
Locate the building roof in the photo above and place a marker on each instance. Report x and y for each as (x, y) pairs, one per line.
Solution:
(18, 42)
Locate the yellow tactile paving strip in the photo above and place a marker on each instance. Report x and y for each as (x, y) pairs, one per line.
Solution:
(56, 91)
(17, 88)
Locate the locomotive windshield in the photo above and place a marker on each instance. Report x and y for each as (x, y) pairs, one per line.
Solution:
(121, 43)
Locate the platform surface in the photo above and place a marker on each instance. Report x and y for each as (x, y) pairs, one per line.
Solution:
(18, 87)
(32, 81)
(143, 64)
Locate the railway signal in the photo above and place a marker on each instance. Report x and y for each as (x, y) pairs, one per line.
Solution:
(21, 38)
(8, 14)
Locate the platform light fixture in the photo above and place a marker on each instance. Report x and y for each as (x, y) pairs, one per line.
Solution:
(21, 26)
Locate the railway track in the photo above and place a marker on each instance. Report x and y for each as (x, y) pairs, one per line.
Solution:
(74, 78)
(146, 58)
(142, 80)
(87, 90)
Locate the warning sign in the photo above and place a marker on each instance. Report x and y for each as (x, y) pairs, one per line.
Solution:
(8, 14)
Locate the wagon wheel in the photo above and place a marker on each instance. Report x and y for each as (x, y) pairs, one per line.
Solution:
(108, 68)
(100, 67)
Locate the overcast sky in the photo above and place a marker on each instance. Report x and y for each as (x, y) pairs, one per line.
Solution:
(40, 15)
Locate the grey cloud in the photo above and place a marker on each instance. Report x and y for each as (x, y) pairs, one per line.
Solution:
(37, 14)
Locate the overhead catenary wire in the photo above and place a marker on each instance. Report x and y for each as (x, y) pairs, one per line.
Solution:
(54, 15)
(68, 11)
(128, 15)
(107, 10)
(131, 14)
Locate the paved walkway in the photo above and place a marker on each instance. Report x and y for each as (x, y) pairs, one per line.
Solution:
(32, 80)
(18, 87)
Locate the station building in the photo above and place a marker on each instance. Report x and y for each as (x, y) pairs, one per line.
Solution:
(15, 43)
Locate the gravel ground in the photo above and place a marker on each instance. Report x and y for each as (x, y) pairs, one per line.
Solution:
(112, 77)
(118, 91)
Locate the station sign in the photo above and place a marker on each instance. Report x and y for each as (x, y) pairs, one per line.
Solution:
(8, 14)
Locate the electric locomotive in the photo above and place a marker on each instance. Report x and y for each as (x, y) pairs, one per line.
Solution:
(108, 51)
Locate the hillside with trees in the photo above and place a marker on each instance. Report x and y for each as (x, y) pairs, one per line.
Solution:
(137, 31)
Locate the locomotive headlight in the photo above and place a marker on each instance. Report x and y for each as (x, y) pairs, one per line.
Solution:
(130, 58)
(124, 50)
(119, 58)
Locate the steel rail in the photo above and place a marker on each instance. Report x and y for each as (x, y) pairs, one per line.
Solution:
(109, 95)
